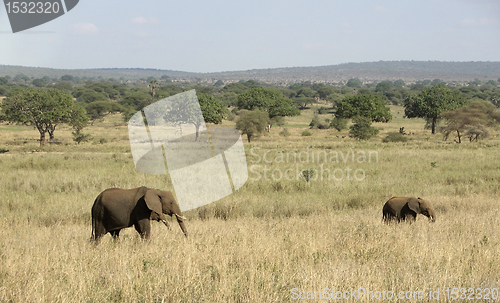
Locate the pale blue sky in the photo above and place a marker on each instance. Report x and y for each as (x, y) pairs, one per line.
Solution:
(220, 35)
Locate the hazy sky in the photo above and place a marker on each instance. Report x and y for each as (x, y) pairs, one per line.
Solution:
(219, 35)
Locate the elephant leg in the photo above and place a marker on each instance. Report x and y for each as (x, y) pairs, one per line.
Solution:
(410, 217)
(98, 230)
(115, 233)
(143, 227)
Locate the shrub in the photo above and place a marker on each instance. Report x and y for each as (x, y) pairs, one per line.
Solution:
(284, 132)
(278, 120)
(306, 133)
(394, 137)
(339, 123)
(322, 110)
(362, 129)
(315, 123)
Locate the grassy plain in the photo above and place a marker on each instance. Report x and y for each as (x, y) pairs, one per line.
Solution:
(268, 241)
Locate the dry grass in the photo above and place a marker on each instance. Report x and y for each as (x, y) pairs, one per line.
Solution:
(257, 245)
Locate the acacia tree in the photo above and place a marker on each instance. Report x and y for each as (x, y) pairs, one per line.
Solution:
(369, 106)
(363, 109)
(471, 120)
(252, 123)
(42, 108)
(431, 102)
(269, 100)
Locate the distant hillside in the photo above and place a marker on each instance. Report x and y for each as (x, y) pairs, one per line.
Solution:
(369, 71)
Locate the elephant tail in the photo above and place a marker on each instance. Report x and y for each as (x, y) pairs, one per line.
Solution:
(97, 227)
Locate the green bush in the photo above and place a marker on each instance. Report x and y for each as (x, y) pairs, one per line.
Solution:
(315, 123)
(322, 110)
(395, 137)
(339, 123)
(362, 129)
(306, 133)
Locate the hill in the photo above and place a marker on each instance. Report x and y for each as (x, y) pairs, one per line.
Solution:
(408, 71)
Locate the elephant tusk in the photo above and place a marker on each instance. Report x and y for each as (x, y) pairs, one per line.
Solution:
(180, 217)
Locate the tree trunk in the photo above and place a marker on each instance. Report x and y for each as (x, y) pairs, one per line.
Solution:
(434, 125)
(42, 139)
(459, 137)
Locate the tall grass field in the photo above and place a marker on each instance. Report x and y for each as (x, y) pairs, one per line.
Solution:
(285, 236)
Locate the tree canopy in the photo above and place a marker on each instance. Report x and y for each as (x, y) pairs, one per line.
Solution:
(43, 108)
(431, 102)
(252, 123)
(267, 99)
(213, 109)
(472, 120)
(368, 106)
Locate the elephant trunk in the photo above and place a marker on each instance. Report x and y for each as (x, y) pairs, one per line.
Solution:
(432, 216)
(181, 224)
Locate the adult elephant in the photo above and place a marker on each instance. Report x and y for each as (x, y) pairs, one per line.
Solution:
(115, 209)
(407, 208)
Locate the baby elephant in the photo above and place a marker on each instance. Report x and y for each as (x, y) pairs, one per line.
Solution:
(407, 208)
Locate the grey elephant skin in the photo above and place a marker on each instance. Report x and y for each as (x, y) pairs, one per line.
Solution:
(115, 209)
(407, 208)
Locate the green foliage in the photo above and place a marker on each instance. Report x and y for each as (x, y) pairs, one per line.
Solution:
(315, 123)
(63, 85)
(43, 108)
(81, 137)
(213, 109)
(339, 123)
(67, 78)
(267, 99)
(39, 82)
(372, 107)
(383, 86)
(322, 110)
(471, 120)
(354, 83)
(137, 100)
(431, 102)
(278, 120)
(362, 129)
(306, 133)
(284, 132)
(99, 109)
(395, 137)
(252, 123)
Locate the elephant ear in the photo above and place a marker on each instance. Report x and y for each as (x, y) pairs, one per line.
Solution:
(153, 201)
(414, 205)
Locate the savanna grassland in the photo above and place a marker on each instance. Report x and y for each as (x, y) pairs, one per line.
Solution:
(273, 238)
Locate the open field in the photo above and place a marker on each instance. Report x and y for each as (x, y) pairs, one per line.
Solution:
(275, 237)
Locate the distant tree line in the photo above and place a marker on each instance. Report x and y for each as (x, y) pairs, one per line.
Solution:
(363, 102)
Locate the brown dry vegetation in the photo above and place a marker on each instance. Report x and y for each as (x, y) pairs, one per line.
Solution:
(257, 245)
